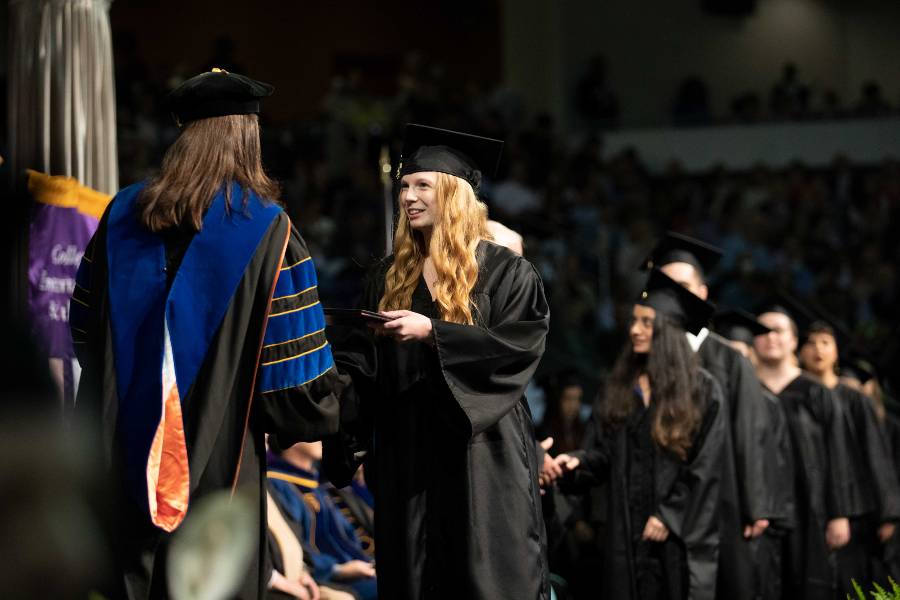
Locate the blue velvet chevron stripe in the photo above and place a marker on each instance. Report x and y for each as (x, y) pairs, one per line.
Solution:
(194, 307)
(296, 279)
(295, 350)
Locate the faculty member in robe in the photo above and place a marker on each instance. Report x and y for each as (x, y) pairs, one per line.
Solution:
(198, 328)
(437, 409)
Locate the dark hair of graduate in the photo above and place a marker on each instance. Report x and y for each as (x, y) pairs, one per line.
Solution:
(208, 154)
(671, 367)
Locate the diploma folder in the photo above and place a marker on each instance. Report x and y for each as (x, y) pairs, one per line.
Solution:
(354, 316)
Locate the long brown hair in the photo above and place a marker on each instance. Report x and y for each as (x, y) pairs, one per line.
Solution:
(671, 367)
(461, 224)
(208, 154)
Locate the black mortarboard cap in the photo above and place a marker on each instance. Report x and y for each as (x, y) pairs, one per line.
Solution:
(738, 325)
(858, 366)
(675, 247)
(461, 154)
(667, 296)
(216, 94)
(786, 304)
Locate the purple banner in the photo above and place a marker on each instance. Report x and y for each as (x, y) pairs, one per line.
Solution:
(58, 238)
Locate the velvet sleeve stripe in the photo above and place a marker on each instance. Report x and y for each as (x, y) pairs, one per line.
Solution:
(295, 278)
(296, 323)
(307, 297)
(296, 370)
(296, 347)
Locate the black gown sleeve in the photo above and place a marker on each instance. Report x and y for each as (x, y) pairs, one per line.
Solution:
(841, 483)
(356, 358)
(297, 384)
(876, 452)
(752, 441)
(487, 368)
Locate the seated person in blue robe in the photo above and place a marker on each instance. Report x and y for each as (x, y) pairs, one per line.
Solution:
(332, 547)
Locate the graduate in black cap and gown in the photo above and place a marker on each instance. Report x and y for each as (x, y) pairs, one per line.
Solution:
(824, 480)
(657, 441)
(198, 328)
(740, 328)
(875, 504)
(747, 506)
(437, 409)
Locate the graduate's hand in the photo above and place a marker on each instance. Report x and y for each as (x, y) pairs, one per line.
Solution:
(550, 471)
(837, 533)
(655, 530)
(354, 569)
(756, 529)
(287, 586)
(406, 326)
(566, 462)
(310, 584)
(886, 531)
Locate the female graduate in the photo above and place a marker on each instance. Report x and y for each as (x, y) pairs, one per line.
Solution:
(657, 441)
(437, 409)
(877, 503)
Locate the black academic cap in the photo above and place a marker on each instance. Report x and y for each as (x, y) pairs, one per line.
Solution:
(738, 325)
(786, 304)
(675, 247)
(856, 365)
(667, 296)
(216, 94)
(461, 154)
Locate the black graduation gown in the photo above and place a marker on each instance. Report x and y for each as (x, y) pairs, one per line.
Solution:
(449, 442)
(779, 460)
(686, 497)
(822, 486)
(875, 498)
(891, 554)
(745, 492)
(224, 418)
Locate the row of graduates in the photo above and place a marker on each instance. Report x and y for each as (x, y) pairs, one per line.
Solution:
(721, 469)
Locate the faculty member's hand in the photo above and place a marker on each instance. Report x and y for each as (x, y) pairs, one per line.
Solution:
(837, 534)
(310, 584)
(407, 326)
(756, 529)
(354, 569)
(655, 530)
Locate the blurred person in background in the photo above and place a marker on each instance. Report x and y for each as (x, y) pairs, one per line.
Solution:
(823, 477)
(747, 507)
(656, 440)
(876, 506)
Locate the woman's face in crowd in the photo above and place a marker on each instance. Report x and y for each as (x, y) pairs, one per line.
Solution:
(779, 343)
(641, 331)
(819, 354)
(418, 199)
(570, 402)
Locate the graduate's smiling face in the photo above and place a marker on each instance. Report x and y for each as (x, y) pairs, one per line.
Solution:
(418, 199)
(779, 344)
(820, 353)
(641, 330)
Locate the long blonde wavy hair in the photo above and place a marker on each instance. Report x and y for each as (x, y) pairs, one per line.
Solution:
(461, 224)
